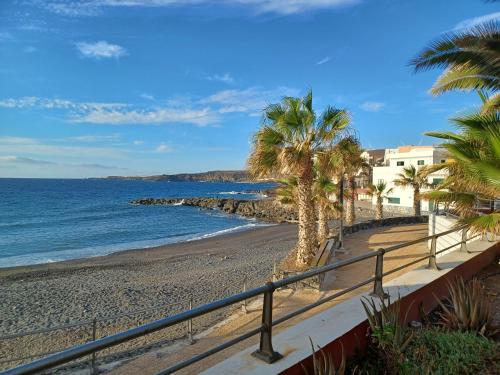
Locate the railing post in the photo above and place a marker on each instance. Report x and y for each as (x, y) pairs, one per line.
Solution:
(463, 244)
(244, 302)
(378, 290)
(266, 351)
(432, 258)
(190, 325)
(94, 355)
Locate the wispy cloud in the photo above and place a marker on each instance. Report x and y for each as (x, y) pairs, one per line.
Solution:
(138, 142)
(5, 36)
(247, 100)
(324, 60)
(147, 96)
(32, 146)
(101, 50)
(471, 22)
(200, 117)
(30, 49)
(372, 106)
(282, 7)
(22, 160)
(226, 78)
(201, 112)
(163, 147)
(96, 138)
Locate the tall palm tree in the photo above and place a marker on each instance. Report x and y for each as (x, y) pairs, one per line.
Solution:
(380, 191)
(416, 179)
(350, 165)
(286, 144)
(470, 58)
(323, 189)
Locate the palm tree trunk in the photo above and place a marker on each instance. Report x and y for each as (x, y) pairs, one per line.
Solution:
(323, 230)
(350, 215)
(307, 220)
(379, 213)
(416, 201)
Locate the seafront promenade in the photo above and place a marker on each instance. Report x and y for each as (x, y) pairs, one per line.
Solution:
(289, 300)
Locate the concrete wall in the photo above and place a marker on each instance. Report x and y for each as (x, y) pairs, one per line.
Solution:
(442, 223)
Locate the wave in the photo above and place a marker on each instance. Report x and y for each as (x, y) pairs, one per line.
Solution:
(179, 203)
(91, 252)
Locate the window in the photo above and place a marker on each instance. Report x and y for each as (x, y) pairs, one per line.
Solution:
(393, 200)
(420, 162)
(443, 161)
(400, 163)
(436, 181)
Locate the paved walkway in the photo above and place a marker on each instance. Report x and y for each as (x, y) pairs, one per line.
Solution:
(286, 301)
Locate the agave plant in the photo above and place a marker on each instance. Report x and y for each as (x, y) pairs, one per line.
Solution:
(387, 328)
(323, 363)
(470, 311)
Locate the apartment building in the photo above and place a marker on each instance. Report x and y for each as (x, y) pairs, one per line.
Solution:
(395, 160)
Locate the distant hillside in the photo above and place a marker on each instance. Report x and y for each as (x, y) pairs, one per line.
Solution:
(211, 176)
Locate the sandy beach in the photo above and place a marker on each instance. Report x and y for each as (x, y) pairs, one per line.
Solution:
(144, 280)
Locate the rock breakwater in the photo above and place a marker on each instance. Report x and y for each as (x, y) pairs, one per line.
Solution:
(265, 209)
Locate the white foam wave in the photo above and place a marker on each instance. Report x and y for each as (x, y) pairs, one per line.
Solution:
(179, 203)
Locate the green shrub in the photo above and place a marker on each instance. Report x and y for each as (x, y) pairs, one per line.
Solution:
(440, 352)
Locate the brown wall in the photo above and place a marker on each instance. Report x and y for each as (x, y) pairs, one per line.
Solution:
(356, 338)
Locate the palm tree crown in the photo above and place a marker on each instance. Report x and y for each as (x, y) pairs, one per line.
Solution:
(470, 58)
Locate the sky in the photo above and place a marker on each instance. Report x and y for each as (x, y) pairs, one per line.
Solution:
(91, 88)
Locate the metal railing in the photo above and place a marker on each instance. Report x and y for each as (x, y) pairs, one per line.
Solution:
(266, 351)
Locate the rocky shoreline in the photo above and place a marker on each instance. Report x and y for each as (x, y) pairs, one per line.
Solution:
(265, 209)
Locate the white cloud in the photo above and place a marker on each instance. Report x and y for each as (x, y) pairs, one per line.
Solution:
(47, 103)
(372, 106)
(282, 7)
(200, 117)
(147, 96)
(163, 148)
(323, 60)
(200, 112)
(96, 138)
(101, 50)
(247, 100)
(138, 142)
(471, 22)
(226, 78)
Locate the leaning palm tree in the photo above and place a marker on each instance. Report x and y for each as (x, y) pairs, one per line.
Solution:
(286, 144)
(380, 191)
(470, 58)
(416, 179)
(474, 171)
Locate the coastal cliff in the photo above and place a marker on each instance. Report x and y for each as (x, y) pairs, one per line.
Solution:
(266, 209)
(210, 176)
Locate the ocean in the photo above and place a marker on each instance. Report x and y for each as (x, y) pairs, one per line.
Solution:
(49, 220)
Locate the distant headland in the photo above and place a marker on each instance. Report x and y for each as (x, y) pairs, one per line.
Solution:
(210, 176)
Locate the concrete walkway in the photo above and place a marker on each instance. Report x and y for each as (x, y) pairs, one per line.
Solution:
(286, 301)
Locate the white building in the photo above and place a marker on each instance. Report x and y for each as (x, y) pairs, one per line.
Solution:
(398, 158)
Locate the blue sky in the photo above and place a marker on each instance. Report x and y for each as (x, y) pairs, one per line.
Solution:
(103, 87)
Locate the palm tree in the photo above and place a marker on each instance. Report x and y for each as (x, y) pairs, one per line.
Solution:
(470, 58)
(350, 164)
(415, 178)
(323, 189)
(380, 191)
(474, 171)
(286, 144)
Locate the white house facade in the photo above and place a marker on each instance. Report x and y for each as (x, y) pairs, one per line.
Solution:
(398, 158)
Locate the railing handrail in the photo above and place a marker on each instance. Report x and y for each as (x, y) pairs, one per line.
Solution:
(267, 289)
